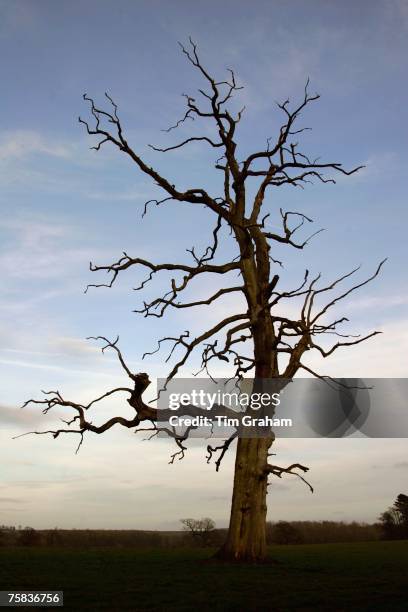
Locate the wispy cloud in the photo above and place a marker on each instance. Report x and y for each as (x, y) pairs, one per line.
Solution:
(21, 143)
(129, 195)
(11, 500)
(381, 357)
(11, 416)
(39, 249)
(64, 369)
(379, 302)
(384, 165)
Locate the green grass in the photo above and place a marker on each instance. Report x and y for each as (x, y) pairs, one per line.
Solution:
(359, 576)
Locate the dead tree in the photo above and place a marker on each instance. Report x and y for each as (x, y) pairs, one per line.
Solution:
(258, 341)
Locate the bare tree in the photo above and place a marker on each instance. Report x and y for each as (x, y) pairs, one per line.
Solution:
(201, 530)
(256, 341)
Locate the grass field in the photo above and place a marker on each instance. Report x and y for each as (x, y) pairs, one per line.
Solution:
(359, 576)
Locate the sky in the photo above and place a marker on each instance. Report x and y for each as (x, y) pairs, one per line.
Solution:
(64, 205)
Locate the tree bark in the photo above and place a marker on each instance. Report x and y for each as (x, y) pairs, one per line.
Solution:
(246, 539)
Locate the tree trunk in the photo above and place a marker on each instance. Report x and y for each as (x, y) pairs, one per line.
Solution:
(246, 539)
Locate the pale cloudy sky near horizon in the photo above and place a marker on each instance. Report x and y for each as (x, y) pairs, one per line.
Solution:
(63, 205)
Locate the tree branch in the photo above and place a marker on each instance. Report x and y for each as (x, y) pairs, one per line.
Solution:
(279, 471)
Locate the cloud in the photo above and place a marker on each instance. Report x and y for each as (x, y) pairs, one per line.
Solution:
(10, 416)
(17, 17)
(130, 195)
(35, 248)
(379, 166)
(378, 302)
(22, 143)
(32, 163)
(49, 483)
(74, 347)
(396, 12)
(55, 368)
(11, 500)
(381, 357)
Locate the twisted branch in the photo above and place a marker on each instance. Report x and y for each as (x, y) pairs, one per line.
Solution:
(275, 470)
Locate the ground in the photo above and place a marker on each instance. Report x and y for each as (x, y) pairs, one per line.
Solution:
(359, 576)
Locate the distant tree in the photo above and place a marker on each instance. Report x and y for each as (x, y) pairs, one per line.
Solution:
(201, 530)
(286, 533)
(7, 534)
(401, 506)
(53, 537)
(28, 537)
(394, 521)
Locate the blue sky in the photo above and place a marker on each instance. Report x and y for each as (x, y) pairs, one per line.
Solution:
(64, 205)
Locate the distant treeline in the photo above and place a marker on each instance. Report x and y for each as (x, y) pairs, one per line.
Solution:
(89, 538)
(282, 532)
(320, 532)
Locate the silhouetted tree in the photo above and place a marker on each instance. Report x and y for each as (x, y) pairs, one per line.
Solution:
(394, 521)
(276, 342)
(201, 530)
(28, 537)
(401, 506)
